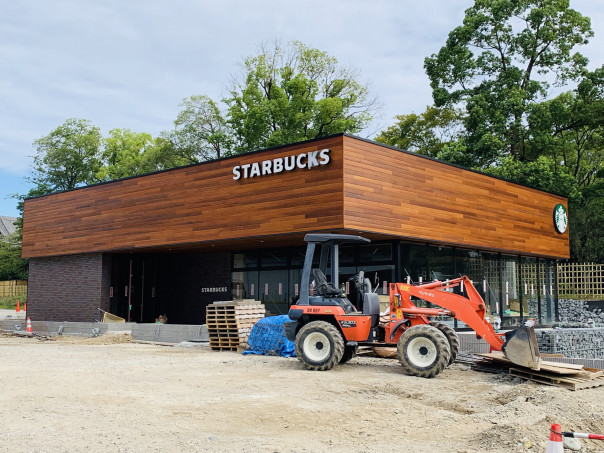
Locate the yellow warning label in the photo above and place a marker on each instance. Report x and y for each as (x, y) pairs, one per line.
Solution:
(399, 313)
(405, 288)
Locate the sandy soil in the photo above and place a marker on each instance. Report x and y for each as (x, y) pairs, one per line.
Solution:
(109, 394)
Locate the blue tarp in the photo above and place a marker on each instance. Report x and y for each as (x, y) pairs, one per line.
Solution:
(268, 338)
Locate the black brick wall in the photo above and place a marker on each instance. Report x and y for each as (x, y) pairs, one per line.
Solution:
(68, 288)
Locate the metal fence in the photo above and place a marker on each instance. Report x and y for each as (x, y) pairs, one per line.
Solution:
(580, 281)
(13, 288)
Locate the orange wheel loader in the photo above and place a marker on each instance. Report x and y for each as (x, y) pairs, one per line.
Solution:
(327, 328)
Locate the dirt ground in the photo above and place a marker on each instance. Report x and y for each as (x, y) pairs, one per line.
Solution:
(109, 394)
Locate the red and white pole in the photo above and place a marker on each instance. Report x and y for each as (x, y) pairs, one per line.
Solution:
(583, 435)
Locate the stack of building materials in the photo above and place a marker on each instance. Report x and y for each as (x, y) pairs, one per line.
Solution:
(229, 323)
(559, 374)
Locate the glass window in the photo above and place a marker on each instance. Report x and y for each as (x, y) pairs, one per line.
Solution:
(442, 267)
(491, 285)
(442, 263)
(529, 274)
(414, 262)
(548, 314)
(510, 291)
(347, 254)
(297, 257)
(380, 276)
(273, 291)
(244, 285)
(244, 260)
(483, 270)
(295, 275)
(274, 258)
(468, 263)
(375, 252)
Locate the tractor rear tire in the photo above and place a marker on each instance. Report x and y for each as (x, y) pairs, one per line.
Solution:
(319, 346)
(451, 336)
(350, 353)
(423, 351)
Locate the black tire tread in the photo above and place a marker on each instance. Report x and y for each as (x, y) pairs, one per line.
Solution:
(350, 353)
(331, 332)
(439, 339)
(451, 335)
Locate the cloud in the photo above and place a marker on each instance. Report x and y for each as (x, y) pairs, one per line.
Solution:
(129, 64)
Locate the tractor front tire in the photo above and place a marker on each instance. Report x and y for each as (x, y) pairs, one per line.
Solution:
(423, 351)
(350, 353)
(319, 346)
(451, 336)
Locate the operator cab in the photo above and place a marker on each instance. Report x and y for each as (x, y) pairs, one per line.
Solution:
(326, 293)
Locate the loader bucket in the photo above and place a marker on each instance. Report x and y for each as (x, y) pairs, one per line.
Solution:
(521, 347)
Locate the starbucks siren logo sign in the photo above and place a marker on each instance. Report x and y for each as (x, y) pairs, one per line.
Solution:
(560, 218)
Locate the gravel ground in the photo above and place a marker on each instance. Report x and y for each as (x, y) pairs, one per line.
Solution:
(112, 395)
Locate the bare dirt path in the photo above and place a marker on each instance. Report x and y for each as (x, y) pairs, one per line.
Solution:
(105, 395)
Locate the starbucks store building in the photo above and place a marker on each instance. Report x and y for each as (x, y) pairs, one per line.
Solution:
(174, 241)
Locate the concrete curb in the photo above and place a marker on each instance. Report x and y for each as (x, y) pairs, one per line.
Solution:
(169, 333)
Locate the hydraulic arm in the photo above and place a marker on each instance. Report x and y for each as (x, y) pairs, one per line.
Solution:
(519, 346)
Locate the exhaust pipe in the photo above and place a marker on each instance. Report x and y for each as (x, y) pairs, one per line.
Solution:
(521, 347)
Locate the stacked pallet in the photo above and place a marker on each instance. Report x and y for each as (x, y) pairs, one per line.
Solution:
(230, 323)
(566, 375)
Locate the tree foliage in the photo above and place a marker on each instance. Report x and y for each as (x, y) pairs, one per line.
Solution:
(200, 131)
(68, 157)
(295, 93)
(126, 153)
(285, 95)
(586, 222)
(499, 63)
(496, 70)
(12, 266)
(432, 133)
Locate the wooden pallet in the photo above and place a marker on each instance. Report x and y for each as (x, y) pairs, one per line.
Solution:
(570, 382)
(567, 375)
(233, 321)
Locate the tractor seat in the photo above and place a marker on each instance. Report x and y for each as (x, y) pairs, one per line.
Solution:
(371, 306)
(322, 286)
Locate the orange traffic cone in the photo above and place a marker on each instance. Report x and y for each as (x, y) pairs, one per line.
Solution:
(28, 330)
(18, 306)
(24, 306)
(554, 444)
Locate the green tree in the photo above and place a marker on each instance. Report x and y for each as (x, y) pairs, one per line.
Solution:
(433, 132)
(544, 173)
(586, 220)
(200, 131)
(570, 128)
(68, 157)
(497, 65)
(126, 153)
(12, 266)
(295, 93)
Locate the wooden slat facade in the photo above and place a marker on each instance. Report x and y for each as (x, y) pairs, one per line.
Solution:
(401, 194)
(365, 187)
(188, 205)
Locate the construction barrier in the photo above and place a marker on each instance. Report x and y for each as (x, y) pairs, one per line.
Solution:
(555, 444)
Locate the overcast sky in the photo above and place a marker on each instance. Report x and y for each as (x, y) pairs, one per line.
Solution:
(128, 64)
